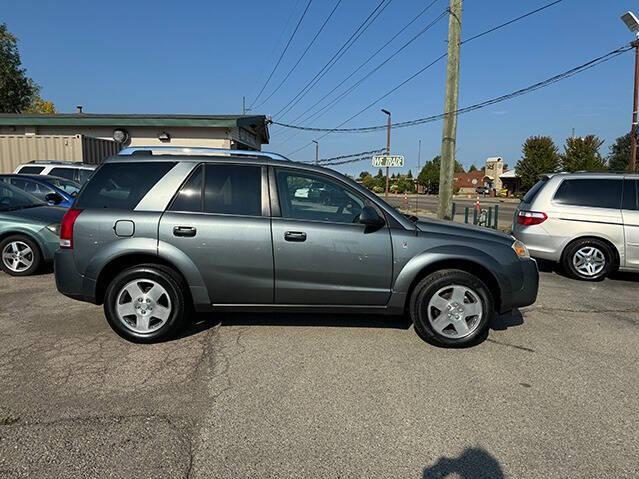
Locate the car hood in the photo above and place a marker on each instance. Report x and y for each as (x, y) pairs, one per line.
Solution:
(479, 233)
(40, 214)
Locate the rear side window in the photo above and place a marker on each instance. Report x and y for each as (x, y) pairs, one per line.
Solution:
(233, 190)
(189, 198)
(594, 193)
(31, 170)
(68, 173)
(532, 192)
(84, 175)
(121, 185)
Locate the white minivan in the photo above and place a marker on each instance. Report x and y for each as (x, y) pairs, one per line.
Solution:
(588, 222)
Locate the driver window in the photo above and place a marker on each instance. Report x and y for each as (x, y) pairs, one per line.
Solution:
(316, 198)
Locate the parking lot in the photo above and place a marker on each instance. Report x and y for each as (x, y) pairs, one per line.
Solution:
(553, 392)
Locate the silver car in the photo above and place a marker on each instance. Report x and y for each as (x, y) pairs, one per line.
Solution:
(588, 222)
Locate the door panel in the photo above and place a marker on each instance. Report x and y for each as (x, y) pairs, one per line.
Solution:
(322, 254)
(233, 254)
(337, 264)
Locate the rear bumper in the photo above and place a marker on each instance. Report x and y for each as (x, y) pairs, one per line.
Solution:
(527, 294)
(539, 242)
(69, 281)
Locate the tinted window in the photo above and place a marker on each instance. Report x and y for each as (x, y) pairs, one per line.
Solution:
(631, 195)
(596, 193)
(31, 170)
(189, 198)
(310, 197)
(233, 190)
(67, 173)
(68, 186)
(12, 198)
(36, 189)
(84, 175)
(121, 185)
(532, 192)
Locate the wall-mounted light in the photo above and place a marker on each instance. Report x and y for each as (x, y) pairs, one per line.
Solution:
(120, 135)
(164, 137)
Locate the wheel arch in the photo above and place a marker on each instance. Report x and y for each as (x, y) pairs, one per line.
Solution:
(475, 268)
(118, 264)
(610, 244)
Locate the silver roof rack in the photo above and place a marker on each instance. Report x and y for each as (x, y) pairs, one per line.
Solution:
(200, 151)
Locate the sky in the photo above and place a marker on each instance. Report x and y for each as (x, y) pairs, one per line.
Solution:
(202, 57)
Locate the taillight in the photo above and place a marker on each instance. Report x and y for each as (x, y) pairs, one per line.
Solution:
(529, 218)
(66, 227)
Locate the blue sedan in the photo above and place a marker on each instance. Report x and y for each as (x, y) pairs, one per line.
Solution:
(50, 189)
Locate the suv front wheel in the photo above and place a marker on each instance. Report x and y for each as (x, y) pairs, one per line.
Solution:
(451, 308)
(146, 304)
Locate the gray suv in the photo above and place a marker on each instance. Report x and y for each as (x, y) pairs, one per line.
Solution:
(159, 233)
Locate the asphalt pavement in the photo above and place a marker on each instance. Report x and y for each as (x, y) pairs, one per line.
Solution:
(553, 392)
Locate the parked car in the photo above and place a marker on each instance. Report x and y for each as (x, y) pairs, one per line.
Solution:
(482, 190)
(588, 222)
(71, 170)
(152, 236)
(49, 189)
(29, 231)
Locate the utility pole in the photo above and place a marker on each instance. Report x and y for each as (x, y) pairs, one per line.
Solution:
(419, 170)
(316, 152)
(449, 135)
(388, 136)
(632, 164)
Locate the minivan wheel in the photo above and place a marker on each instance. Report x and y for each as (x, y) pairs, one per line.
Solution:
(451, 308)
(19, 256)
(146, 304)
(588, 259)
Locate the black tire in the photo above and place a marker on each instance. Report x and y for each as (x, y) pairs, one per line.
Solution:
(434, 282)
(175, 290)
(572, 249)
(36, 255)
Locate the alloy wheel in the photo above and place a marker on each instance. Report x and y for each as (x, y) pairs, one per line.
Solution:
(143, 306)
(589, 261)
(455, 311)
(18, 256)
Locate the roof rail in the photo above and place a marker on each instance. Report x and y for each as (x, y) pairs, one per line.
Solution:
(199, 151)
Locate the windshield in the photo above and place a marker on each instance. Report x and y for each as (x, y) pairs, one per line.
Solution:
(12, 198)
(68, 186)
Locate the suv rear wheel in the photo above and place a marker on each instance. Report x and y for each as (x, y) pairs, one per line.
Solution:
(588, 259)
(19, 256)
(146, 304)
(451, 308)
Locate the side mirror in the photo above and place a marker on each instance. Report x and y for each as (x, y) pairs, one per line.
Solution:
(369, 217)
(53, 198)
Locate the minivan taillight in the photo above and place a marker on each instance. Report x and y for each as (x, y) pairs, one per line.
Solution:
(66, 227)
(529, 218)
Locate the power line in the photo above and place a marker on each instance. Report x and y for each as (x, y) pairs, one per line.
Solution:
(330, 15)
(477, 106)
(288, 43)
(333, 102)
(335, 158)
(402, 30)
(419, 72)
(381, 6)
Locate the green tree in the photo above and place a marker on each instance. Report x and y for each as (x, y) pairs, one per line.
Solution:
(582, 154)
(18, 93)
(410, 174)
(540, 155)
(369, 182)
(363, 174)
(619, 155)
(16, 89)
(472, 168)
(429, 176)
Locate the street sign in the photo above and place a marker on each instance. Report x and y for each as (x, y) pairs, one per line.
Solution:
(383, 161)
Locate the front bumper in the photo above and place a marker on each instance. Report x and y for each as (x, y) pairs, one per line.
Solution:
(69, 281)
(527, 294)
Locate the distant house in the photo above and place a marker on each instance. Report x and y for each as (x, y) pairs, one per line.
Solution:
(466, 183)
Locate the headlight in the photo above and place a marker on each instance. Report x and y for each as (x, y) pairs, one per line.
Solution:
(54, 228)
(520, 249)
